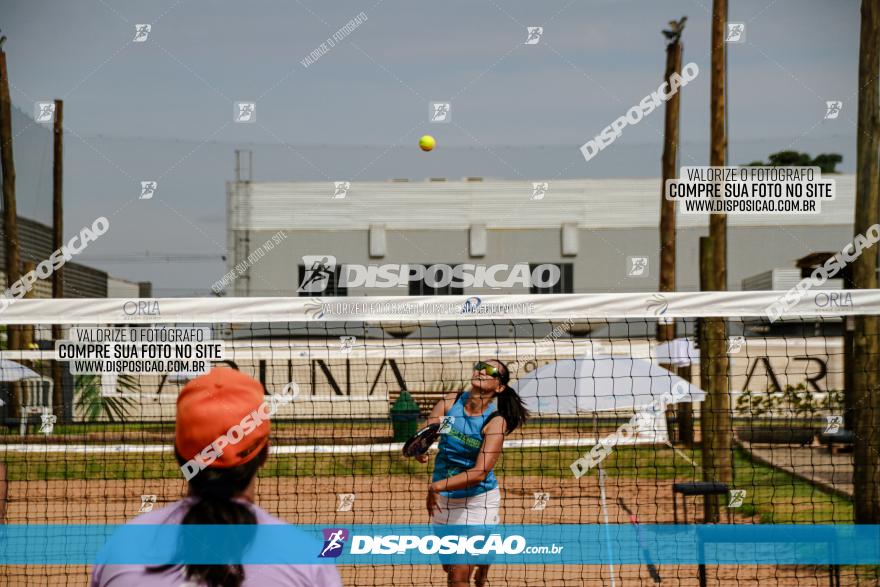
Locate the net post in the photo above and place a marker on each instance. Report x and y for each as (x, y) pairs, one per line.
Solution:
(707, 410)
(715, 430)
(866, 335)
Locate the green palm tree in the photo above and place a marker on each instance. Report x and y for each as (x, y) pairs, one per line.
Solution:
(94, 404)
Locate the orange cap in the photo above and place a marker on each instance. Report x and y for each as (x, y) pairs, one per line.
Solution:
(223, 402)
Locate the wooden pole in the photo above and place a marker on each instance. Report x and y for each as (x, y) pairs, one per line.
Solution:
(719, 388)
(57, 237)
(866, 335)
(10, 219)
(4, 493)
(849, 400)
(719, 435)
(849, 323)
(669, 163)
(27, 331)
(703, 333)
(718, 135)
(666, 331)
(715, 425)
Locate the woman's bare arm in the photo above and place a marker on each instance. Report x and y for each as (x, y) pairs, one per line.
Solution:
(440, 408)
(493, 443)
(436, 416)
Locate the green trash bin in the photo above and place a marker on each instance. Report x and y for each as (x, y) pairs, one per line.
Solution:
(405, 415)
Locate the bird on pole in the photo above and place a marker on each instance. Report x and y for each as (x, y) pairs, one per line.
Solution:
(675, 29)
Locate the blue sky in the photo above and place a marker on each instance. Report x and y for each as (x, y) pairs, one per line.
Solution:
(163, 108)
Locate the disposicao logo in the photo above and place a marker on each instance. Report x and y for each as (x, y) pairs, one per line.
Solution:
(334, 540)
(471, 545)
(320, 271)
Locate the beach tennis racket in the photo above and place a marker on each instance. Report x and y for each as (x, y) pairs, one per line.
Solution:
(422, 441)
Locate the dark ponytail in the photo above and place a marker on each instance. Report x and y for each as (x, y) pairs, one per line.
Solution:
(213, 490)
(510, 405)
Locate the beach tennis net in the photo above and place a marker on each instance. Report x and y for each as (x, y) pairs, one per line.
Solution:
(727, 417)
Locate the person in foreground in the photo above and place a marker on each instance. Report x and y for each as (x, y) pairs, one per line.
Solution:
(464, 490)
(222, 493)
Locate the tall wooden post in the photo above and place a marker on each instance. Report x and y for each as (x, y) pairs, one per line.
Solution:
(849, 399)
(4, 493)
(666, 330)
(719, 388)
(669, 163)
(57, 237)
(866, 335)
(10, 219)
(718, 463)
(849, 324)
(707, 411)
(27, 331)
(718, 134)
(715, 426)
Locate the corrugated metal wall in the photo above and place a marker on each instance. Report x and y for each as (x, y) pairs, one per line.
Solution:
(36, 245)
(589, 203)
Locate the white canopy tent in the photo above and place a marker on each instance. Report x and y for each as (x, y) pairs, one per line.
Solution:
(605, 384)
(34, 391)
(679, 352)
(11, 371)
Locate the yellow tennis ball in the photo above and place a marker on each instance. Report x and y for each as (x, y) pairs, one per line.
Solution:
(427, 143)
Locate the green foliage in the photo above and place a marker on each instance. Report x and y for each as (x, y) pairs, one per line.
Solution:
(789, 159)
(826, 162)
(94, 404)
(797, 401)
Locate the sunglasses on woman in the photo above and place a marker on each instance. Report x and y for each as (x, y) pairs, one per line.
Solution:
(489, 369)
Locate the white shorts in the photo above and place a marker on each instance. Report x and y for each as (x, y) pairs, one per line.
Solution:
(481, 509)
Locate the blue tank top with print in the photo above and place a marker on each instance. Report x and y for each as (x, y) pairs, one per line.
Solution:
(460, 446)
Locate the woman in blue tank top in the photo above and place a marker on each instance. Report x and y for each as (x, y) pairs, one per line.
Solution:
(463, 490)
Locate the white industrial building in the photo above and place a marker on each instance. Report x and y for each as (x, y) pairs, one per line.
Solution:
(591, 228)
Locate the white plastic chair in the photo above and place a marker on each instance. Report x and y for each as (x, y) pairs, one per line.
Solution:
(34, 397)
